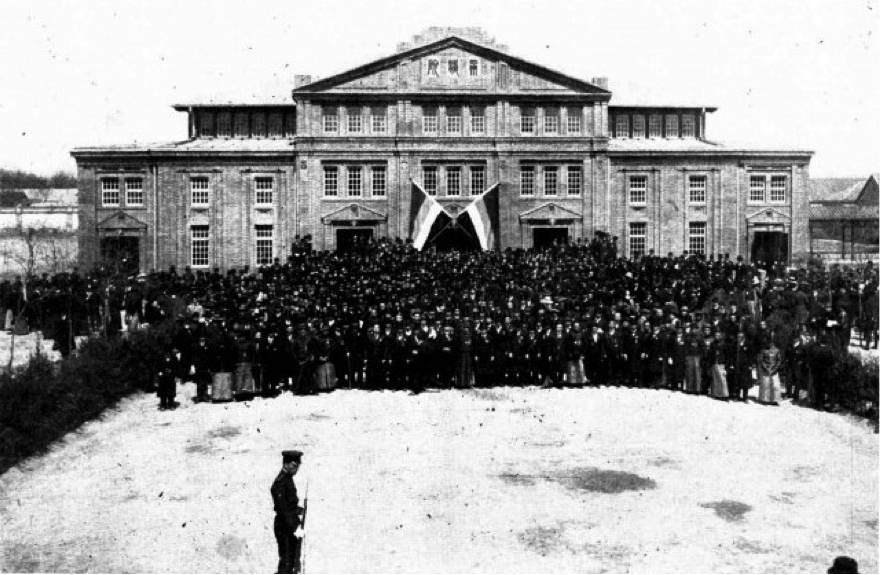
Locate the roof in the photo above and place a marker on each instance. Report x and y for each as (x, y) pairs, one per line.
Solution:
(843, 211)
(213, 145)
(52, 196)
(690, 145)
(650, 106)
(838, 189)
(230, 104)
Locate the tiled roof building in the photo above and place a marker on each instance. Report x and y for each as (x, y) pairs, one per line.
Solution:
(845, 218)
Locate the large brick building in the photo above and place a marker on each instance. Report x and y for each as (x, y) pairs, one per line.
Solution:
(452, 115)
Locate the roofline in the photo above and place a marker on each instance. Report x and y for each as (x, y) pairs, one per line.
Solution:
(187, 107)
(708, 109)
(717, 152)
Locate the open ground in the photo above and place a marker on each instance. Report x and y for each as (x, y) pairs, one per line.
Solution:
(484, 480)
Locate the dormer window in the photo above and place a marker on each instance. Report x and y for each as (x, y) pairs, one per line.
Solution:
(638, 126)
(688, 126)
(655, 126)
(671, 126)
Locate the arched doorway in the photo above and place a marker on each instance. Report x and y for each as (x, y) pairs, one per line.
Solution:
(448, 234)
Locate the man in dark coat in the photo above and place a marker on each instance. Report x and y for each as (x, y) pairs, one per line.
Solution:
(288, 514)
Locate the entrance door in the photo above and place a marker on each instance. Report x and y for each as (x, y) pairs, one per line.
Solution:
(549, 237)
(769, 248)
(449, 234)
(351, 239)
(121, 254)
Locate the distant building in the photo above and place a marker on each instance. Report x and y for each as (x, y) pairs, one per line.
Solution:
(40, 234)
(845, 218)
(452, 115)
(54, 209)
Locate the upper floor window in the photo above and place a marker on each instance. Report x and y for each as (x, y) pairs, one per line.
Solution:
(430, 121)
(573, 119)
(777, 188)
(258, 125)
(134, 192)
(551, 181)
(331, 181)
(265, 188)
(527, 181)
(453, 120)
(276, 124)
(528, 121)
(355, 182)
(224, 125)
(330, 117)
(242, 128)
(655, 126)
(638, 126)
(638, 190)
(688, 127)
(574, 180)
(551, 121)
(380, 123)
(110, 192)
(757, 185)
(206, 124)
(671, 126)
(478, 120)
(453, 181)
(377, 175)
(478, 180)
(355, 121)
(474, 68)
(621, 127)
(697, 189)
(199, 191)
(429, 177)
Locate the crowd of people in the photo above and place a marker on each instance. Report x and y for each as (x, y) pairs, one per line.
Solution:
(383, 315)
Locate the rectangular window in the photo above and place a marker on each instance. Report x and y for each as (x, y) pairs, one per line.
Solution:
(330, 118)
(242, 130)
(199, 246)
(697, 189)
(429, 175)
(331, 181)
(697, 238)
(453, 120)
(655, 127)
(355, 188)
(638, 233)
(380, 123)
(276, 125)
(377, 177)
(224, 125)
(638, 190)
(777, 188)
(258, 125)
(574, 180)
(528, 121)
(621, 127)
(551, 181)
(474, 68)
(206, 124)
(671, 126)
(527, 181)
(265, 188)
(134, 192)
(551, 121)
(265, 243)
(638, 126)
(478, 180)
(453, 181)
(478, 120)
(355, 121)
(688, 127)
(429, 122)
(756, 188)
(199, 191)
(573, 121)
(110, 192)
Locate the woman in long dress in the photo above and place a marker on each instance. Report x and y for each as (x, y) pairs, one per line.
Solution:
(770, 389)
(718, 359)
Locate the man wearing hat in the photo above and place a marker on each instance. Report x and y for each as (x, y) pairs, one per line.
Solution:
(288, 514)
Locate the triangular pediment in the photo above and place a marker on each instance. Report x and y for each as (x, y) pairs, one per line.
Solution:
(354, 212)
(121, 221)
(768, 216)
(550, 211)
(451, 64)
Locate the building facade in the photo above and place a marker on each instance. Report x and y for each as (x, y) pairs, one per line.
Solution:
(451, 115)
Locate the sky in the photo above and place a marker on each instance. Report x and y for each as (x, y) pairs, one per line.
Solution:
(802, 74)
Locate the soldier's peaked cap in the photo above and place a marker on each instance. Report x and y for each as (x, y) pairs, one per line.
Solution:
(291, 455)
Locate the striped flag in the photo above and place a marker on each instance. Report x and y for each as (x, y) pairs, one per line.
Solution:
(424, 209)
(483, 212)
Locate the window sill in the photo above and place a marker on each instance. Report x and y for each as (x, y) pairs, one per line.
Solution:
(264, 207)
(638, 206)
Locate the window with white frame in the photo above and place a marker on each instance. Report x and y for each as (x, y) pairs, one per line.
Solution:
(478, 180)
(206, 124)
(199, 246)
(330, 118)
(671, 126)
(474, 68)
(453, 120)
(621, 127)
(638, 126)
(757, 189)
(378, 181)
(265, 188)
(110, 192)
(478, 120)
(380, 122)
(265, 236)
(573, 121)
(528, 121)
(551, 121)
(574, 180)
(638, 235)
(429, 178)
(331, 181)
(697, 189)
(355, 121)
(638, 190)
(777, 188)
(224, 125)
(688, 126)
(697, 238)
(134, 192)
(527, 181)
(355, 181)
(198, 187)
(453, 181)
(655, 126)
(429, 122)
(551, 181)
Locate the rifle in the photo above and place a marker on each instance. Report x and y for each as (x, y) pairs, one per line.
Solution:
(302, 542)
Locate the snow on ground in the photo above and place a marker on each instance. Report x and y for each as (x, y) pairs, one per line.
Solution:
(489, 480)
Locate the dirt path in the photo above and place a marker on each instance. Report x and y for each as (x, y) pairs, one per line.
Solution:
(501, 480)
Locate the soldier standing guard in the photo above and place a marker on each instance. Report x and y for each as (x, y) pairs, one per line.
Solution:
(288, 514)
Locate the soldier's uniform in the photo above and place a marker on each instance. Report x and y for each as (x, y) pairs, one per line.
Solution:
(287, 516)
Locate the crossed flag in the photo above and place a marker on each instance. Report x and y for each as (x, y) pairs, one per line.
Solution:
(482, 211)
